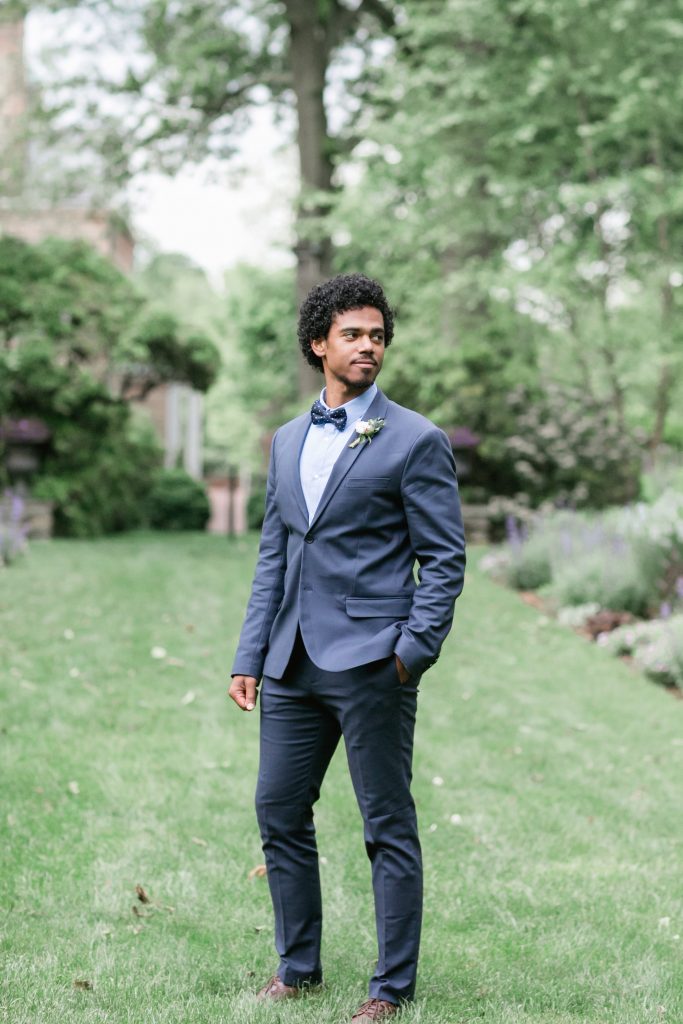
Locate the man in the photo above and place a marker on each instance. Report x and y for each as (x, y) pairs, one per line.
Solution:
(359, 488)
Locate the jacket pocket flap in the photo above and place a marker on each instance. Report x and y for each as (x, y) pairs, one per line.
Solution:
(379, 483)
(378, 607)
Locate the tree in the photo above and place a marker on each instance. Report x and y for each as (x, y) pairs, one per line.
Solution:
(67, 295)
(196, 71)
(77, 341)
(526, 158)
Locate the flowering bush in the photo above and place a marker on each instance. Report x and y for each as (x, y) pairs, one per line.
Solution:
(627, 559)
(530, 559)
(657, 647)
(660, 523)
(12, 532)
(601, 568)
(576, 616)
(625, 582)
(570, 447)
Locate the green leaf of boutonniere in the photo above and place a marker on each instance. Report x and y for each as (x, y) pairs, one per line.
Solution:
(366, 430)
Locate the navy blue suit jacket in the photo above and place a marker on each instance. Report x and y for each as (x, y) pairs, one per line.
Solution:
(347, 579)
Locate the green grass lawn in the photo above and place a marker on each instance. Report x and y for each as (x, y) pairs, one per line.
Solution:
(552, 846)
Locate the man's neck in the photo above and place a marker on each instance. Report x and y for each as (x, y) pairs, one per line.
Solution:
(337, 393)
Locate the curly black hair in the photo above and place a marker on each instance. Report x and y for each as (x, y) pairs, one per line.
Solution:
(341, 293)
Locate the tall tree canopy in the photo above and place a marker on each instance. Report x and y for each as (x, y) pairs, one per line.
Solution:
(521, 164)
(197, 69)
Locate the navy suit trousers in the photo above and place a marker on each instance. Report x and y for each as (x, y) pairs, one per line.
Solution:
(303, 715)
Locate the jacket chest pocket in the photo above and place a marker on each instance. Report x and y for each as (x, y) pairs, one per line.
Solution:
(368, 483)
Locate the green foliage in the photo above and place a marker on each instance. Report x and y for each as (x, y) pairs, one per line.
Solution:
(626, 583)
(11, 10)
(656, 647)
(66, 292)
(167, 353)
(628, 559)
(188, 294)
(177, 502)
(530, 563)
(78, 336)
(256, 506)
(568, 447)
(665, 475)
(98, 465)
(262, 311)
(258, 386)
(528, 154)
(100, 482)
(94, 317)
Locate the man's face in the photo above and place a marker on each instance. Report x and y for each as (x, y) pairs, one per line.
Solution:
(353, 350)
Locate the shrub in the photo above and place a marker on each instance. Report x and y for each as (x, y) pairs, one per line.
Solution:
(627, 559)
(598, 577)
(531, 562)
(657, 647)
(569, 447)
(101, 487)
(537, 546)
(658, 530)
(666, 475)
(178, 502)
(576, 616)
(256, 505)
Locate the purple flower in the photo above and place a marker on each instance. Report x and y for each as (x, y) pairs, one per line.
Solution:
(512, 530)
(664, 610)
(17, 508)
(566, 541)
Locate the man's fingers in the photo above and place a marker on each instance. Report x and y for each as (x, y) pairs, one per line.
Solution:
(250, 694)
(236, 691)
(243, 692)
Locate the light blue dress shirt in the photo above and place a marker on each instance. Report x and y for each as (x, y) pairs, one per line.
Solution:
(324, 444)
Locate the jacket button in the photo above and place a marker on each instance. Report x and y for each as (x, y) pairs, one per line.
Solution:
(309, 539)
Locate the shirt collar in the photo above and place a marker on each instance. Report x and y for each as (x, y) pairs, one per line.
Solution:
(357, 406)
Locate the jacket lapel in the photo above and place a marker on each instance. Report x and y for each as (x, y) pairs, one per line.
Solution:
(348, 456)
(293, 453)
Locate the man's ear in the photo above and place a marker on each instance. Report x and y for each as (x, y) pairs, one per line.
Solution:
(319, 347)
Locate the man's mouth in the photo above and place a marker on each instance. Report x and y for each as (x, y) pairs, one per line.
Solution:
(364, 362)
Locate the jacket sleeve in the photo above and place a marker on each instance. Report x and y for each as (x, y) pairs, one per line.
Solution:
(268, 586)
(429, 489)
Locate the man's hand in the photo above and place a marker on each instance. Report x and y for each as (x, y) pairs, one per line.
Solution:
(403, 673)
(243, 691)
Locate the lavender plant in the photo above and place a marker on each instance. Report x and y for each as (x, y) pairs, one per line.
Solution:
(12, 530)
(624, 559)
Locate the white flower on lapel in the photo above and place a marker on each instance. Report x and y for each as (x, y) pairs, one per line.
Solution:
(366, 430)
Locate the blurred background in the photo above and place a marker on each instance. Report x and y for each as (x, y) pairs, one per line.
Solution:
(176, 176)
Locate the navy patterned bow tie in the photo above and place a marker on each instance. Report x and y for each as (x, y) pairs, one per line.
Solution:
(320, 415)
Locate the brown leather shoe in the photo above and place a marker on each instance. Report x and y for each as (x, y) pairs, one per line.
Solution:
(274, 988)
(374, 1009)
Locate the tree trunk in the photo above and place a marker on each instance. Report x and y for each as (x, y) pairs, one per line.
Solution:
(309, 52)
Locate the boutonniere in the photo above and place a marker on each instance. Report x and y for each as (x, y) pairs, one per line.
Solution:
(366, 430)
